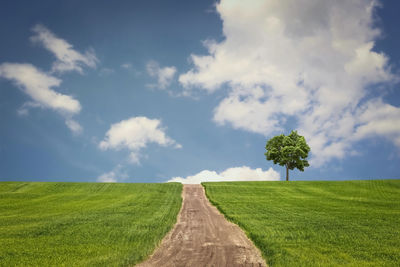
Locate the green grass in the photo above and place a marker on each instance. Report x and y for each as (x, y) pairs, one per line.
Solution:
(352, 223)
(84, 224)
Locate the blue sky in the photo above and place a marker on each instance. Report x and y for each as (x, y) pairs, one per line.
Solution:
(151, 91)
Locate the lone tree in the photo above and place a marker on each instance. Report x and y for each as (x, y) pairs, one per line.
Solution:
(290, 151)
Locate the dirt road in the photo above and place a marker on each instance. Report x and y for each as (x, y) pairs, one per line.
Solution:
(203, 237)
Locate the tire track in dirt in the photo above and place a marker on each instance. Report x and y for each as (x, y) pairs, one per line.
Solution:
(203, 237)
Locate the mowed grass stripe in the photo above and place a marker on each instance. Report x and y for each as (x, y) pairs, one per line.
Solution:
(351, 223)
(84, 224)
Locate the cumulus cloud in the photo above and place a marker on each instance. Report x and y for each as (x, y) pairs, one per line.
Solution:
(309, 61)
(108, 177)
(243, 173)
(113, 176)
(377, 118)
(135, 134)
(39, 86)
(68, 59)
(163, 75)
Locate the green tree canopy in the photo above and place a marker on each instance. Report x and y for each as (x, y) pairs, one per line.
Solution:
(290, 151)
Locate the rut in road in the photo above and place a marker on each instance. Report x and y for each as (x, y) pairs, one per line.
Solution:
(203, 237)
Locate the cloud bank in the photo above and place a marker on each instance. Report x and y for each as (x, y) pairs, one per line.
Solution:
(135, 134)
(312, 62)
(243, 173)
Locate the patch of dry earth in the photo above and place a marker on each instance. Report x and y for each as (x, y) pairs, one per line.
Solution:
(203, 237)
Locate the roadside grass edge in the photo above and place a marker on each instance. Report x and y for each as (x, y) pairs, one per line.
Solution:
(251, 237)
(168, 232)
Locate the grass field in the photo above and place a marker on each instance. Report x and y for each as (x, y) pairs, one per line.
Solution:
(353, 223)
(84, 224)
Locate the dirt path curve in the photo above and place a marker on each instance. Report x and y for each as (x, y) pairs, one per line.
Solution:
(203, 237)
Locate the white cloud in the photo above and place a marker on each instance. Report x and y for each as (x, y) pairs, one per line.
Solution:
(243, 173)
(378, 119)
(24, 109)
(74, 126)
(38, 85)
(312, 61)
(113, 176)
(108, 177)
(135, 134)
(244, 110)
(164, 75)
(68, 59)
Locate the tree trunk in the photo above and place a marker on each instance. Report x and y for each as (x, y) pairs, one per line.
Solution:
(287, 173)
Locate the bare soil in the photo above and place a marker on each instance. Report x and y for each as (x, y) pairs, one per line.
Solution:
(203, 237)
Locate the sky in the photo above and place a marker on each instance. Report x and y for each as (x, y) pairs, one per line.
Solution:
(190, 91)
